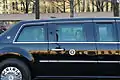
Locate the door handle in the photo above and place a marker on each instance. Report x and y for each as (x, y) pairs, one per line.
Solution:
(57, 49)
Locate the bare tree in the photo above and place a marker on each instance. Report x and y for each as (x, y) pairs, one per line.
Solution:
(5, 5)
(54, 4)
(107, 6)
(83, 3)
(100, 5)
(92, 5)
(37, 10)
(44, 2)
(88, 6)
(75, 7)
(111, 6)
(27, 6)
(115, 8)
(64, 10)
(78, 1)
(71, 8)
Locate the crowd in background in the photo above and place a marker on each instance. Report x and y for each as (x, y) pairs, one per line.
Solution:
(4, 25)
(2, 29)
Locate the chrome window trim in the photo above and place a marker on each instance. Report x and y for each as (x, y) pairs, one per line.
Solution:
(76, 61)
(67, 42)
(112, 77)
(103, 20)
(117, 20)
(72, 21)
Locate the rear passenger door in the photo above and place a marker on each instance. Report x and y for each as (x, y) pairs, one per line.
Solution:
(72, 51)
(107, 46)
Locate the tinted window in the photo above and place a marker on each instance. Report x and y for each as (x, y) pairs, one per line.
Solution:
(105, 32)
(32, 34)
(71, 32)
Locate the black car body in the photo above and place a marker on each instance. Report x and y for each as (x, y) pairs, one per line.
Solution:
(62, 48)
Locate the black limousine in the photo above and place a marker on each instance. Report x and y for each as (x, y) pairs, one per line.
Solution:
(61, 48)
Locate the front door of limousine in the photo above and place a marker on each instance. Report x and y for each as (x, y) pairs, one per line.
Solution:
(33, 39)
(72, 51)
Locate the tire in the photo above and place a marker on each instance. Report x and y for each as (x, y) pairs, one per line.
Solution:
(14, 69)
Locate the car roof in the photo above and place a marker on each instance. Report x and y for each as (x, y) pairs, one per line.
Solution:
(70, 19)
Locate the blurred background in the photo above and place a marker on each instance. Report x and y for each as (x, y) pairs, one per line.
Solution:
(12, 11)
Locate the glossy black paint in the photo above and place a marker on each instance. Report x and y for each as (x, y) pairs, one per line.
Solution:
(64, 69)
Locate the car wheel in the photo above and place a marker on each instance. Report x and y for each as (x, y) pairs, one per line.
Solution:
(14, 69)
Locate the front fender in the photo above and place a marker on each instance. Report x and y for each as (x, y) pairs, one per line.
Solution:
(16, 50)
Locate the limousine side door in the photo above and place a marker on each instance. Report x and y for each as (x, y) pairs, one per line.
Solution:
(118, 32)
(32, 37)
(107, 46)
(72, 52)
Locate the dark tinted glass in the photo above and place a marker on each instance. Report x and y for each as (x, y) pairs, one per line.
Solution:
(71, 32)
(105, 32)
(31, 34)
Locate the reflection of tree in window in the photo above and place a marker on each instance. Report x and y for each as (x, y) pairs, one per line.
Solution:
(16, 5)
(13, 5)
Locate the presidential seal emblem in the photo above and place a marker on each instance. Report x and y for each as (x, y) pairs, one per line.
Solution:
(72, 52)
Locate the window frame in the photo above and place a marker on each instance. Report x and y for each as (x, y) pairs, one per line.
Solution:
(118, 28)
(29, 25)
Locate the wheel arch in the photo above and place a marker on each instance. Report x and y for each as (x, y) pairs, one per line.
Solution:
(16, 51)
(13, 58)
(28, 63)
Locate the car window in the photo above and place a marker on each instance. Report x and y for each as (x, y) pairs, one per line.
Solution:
(105, 32)
(32, 34)
(71, 32)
